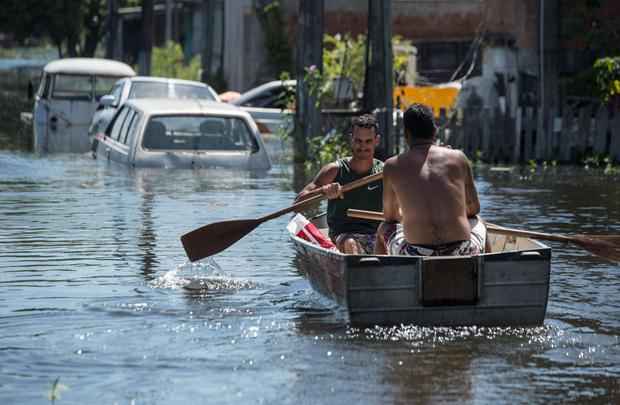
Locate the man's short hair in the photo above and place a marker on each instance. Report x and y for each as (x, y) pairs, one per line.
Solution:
(364, 121)
(419, 121)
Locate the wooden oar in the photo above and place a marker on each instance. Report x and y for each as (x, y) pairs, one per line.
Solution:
(213, 238)
(606, 246)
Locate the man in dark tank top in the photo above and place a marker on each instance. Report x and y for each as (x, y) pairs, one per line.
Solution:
(352, 235)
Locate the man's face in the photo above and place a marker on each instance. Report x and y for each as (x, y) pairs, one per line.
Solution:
(363, 142)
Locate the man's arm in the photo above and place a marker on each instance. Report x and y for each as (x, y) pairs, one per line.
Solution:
(391, 209)
(325, 176)
(471, 194)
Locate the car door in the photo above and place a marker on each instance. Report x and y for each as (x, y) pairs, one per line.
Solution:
(41, 114)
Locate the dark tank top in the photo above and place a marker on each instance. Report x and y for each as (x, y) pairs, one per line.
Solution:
(368, 197)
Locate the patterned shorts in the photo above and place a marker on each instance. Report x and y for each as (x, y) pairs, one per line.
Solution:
(366, 240)
(398, 245)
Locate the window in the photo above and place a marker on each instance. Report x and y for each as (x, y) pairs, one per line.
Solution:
(104, 85)
(44, 86)
(198, 132)
(122, 135)
(132, 128)
(185, 91)
(118, 122)
(148, 89)
(75, 87)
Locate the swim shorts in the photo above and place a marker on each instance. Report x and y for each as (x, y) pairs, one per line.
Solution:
(398, 245)
(366, 240)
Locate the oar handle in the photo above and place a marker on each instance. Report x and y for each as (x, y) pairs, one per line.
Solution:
(378, 216)
(347, 187)
(528, 234)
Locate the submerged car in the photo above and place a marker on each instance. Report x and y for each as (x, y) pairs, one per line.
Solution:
(173, 133)
(146, 87)
(269, 105)
(68, 95)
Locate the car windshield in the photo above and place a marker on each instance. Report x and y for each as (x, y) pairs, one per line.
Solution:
(148, 90)
(77, 87)
(103, 85)
(197, 132)
(193, 92)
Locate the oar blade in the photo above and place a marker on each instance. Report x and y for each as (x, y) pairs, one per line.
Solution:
(606, 246)
(213, 238)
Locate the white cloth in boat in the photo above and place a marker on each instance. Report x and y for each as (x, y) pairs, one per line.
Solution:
(398, 245)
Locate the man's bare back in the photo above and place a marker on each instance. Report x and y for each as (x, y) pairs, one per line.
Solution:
(433, 188)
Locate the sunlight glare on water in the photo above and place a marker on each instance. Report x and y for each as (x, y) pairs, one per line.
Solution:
(96, 294)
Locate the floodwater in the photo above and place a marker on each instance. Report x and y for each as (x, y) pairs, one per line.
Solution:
(98, 304)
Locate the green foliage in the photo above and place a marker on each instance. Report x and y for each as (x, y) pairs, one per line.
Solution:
(276, 39)
(168, 61)
(600, 162)
(323, 150)
(75, 28)
(607, 76)
(343, 56)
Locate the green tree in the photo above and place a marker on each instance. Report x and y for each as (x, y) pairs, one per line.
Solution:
(74, 27)
(168, 61)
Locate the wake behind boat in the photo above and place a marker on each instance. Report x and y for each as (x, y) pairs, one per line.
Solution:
(508, 286)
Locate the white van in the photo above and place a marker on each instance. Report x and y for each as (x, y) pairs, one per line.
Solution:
(67, 98)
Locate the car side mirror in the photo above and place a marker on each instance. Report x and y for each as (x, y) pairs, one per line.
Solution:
(108, 100)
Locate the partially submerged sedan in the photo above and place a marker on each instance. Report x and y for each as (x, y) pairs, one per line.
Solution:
(182, 134)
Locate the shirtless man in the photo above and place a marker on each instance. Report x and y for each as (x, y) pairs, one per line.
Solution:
(353, 236)
(430, 190)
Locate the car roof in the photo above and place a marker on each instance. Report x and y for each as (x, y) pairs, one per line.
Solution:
(89, 66)
(154, 79)
(263, 87)
(155, 106)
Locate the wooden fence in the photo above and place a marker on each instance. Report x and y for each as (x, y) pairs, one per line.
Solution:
(496, 137)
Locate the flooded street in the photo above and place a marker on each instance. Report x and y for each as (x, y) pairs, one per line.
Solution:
(96, 294)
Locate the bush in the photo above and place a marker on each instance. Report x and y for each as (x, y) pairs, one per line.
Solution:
(169, 61)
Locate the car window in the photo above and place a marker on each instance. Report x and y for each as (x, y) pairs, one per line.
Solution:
(122, 135)
(117, 92)
(131, 129)
(185, 91)
(104, 85)
(148, 89)
(118, 123)
(44, 86)
(178, 132)
(272, 98)
(75, 87)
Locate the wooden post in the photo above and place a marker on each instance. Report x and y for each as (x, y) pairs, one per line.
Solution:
(309, 53)
(379, 70)
(599, 144)
(614, 147)
(144, 56)
(582, 132)
(516, 150)
(486, 120)
(566, 134)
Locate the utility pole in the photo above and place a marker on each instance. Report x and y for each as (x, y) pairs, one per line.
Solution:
(144, 56)
(309, 53)
(208, 32)
(549, 97)
(379, 71)
(112, 29)
(169, 11)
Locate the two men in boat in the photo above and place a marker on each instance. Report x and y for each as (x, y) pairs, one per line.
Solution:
(351, 235)
(430, 200)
